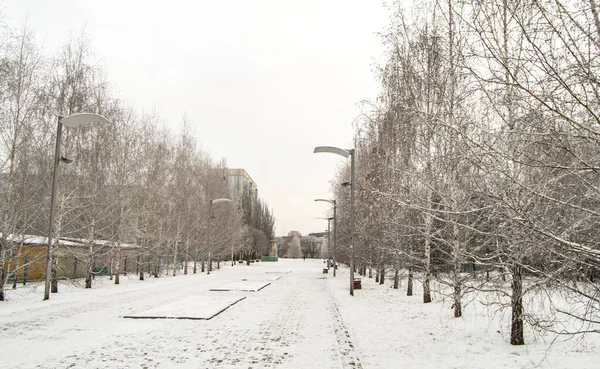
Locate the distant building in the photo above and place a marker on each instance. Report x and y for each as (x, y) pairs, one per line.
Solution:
(239, 181)
(243, 191)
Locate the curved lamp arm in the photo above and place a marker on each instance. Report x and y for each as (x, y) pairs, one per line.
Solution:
(333, 150)
(325, 200)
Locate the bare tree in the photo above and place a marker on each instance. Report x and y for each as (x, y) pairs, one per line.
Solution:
(310, 246)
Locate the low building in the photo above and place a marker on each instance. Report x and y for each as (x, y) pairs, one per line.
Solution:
(27, 257)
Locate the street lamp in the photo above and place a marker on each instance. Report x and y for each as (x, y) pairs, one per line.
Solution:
(346, 153)
(71, 121)
(232, 264)
(328, 233)
(214, 201)
(334, 230)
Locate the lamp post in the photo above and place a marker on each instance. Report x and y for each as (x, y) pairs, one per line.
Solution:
(346, 153)
(232, 254)
(71, 121)
(334, 230)
(214, 201)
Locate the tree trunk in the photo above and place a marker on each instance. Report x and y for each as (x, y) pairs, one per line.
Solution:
(157, 268)
(456, 273)
(2, 282)
(90, 264)
(186, 257)
(409, 288)
(25, 270)
(140, 267)
(516, 328)
(18, 264)
(54, 281)
(426, 281)
(88, 276)
(427, 277)
(396, 278)
(117, 265)
(457, 301)
(175, 258)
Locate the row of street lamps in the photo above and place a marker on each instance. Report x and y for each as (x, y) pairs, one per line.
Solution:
(345, 153)
(72, 121)
(85, 118)
(333, 202)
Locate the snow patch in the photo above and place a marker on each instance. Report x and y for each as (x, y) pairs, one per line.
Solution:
(192, 307)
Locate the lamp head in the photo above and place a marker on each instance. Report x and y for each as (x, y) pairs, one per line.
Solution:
(216, 201)
(79, 119)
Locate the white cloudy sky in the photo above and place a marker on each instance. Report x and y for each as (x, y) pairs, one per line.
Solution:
(263, 81)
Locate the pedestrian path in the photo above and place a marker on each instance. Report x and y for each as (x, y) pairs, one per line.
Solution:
(266, 315)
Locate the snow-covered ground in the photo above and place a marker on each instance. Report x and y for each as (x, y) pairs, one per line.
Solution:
(285, 314)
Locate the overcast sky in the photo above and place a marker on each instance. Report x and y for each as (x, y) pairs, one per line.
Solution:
(262, 81)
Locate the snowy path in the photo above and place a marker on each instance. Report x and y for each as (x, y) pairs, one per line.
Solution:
(297, 318)
(292, 323)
